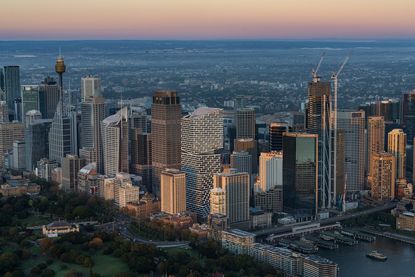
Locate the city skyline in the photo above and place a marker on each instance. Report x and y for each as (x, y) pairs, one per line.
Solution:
(186, 19)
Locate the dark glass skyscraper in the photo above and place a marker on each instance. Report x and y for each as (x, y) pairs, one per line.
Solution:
(11, 84)
(48, 97)
(166, 114)
(275, 131)
(300, 172)
(408, 115)
(37, 142)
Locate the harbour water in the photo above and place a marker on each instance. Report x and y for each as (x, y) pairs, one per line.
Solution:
(353, 262)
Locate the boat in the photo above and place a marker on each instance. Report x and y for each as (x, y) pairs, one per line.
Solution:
(375, 255)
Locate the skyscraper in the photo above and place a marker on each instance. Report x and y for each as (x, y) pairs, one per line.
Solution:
(30, 99)
(353, 124)
(270, 170)
(140, 153)
(245, 123)
(236, 190)
(397, 147)
(242, 161)
(37, 141)
(250, 146)
(202, 143)
(408, 114)
(300, 172)
(93, 113)
(275, 131)
(62, 131)
(166, 114)
(383, 175)
(71, 165)
(173, 191)
(4, 112)
(11, 84)
(49, 95)
(90, 87)
(375, 137)
(115, 142)
(318, 122)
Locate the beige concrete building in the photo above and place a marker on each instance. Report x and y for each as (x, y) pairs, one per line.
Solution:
(270, 171)
(173, 191)
(124, 190)
(375, 137)
(397, 146)
(9, 132)
(383, 175)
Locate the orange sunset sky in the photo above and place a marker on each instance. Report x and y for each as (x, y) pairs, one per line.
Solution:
(206, 19)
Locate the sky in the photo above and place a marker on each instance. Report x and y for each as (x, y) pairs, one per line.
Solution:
(206, 19)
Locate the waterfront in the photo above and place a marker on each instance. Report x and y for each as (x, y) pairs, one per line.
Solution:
(352, 260)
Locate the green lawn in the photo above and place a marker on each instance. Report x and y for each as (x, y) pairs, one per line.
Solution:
(34, 220)
(103, 264)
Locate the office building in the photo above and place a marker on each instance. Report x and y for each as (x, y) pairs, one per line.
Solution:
(32, 116)
(202, 144)
(93, 113)
(124, 190)
(375, 137)
(275, 131)
(316, 266)
(137, 119)
(90, 87)
(49, 95)
(300, 172)
(140, 163)
(270, 200)
(408, 114)
(71, 165)
(19, 159)
(30, 99)
(4, 112)
(353, 125)
(88, 179)
(383, 175)
(242, 161)
(270, 170)
(9, 132)
(37, 141)
(245, 123)
(397, 147)
(115, 142)
(166, 114)
(11, 84)
(45, 168)
(250, 146)
(318, 122)
(235, 202)
(173, 191)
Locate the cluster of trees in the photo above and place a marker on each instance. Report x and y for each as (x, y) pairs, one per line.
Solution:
(157, 230)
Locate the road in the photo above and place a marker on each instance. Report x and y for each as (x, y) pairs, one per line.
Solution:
(287, 228)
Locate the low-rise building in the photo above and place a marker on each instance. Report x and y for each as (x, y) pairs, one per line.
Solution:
(259, 218)
(7, 190)
(57, 228)
(237, 241)
(145, 207)
(316, 266)
(406, 221)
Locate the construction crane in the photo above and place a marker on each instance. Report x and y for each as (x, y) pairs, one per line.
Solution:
(334, 78)
(315, 71)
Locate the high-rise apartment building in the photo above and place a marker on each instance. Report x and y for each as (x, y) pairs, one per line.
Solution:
(300, 172)
(245, 123)
(49, 95)
(202, 144)
(19, 161)
(275, 131)
(90, 87)
(383, 175)
(71, 165)
(11, 84)
(397, 147)
(408, 114)
(375, 137)
(270, 170)
(236, 190)
(115, 142)
(173, 191)
(93, 113)
(166, 114)
(353, 124)
(242, 161)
